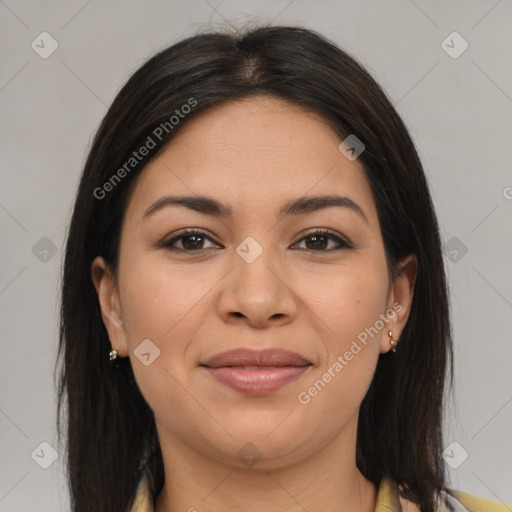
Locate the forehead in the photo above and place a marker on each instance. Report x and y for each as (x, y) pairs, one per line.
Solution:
(254, 154)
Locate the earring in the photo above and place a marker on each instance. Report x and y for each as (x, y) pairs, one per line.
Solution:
(113, 354)
(393, 342)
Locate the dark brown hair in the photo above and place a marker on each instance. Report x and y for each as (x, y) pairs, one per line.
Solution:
(110, 429)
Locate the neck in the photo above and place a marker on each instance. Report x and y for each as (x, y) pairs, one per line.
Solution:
(326, 480)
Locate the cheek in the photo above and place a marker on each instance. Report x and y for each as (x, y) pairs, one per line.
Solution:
(349, 303)
(348, 299)
(165, 304)
(161, 299)
(161, 303)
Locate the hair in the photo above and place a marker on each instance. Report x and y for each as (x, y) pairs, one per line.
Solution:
(111, 436)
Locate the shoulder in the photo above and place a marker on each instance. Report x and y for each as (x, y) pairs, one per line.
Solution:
(390, 499)
(475, 503)
(460, 501)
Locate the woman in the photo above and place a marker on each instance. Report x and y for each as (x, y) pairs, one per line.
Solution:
(254, 306)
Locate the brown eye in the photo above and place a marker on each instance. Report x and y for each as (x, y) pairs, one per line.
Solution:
(318, 241)
(191, 241)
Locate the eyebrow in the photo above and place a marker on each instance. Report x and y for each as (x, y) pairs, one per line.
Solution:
(301, 205)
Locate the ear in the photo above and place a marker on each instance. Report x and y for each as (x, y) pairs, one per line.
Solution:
(400, 295)
(108, 296)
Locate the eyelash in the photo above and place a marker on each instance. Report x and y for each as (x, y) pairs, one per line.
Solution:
(169, 244)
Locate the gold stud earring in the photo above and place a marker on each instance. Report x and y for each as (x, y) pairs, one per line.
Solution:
(113, 354)
(393, 342)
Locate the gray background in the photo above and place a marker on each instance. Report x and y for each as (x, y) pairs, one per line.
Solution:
(458, 111)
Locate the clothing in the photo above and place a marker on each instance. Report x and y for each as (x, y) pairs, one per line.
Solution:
(387, 500)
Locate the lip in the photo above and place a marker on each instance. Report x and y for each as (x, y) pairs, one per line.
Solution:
(251, 357)
(256, 372)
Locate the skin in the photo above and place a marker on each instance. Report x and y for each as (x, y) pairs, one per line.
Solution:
(254, 155)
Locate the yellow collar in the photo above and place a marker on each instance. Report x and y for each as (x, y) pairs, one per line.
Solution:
(388, 500)
(387, 497)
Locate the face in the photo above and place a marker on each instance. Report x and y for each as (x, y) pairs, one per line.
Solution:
(266, 272)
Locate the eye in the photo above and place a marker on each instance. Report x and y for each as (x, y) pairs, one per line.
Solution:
(318, 240)
(191, 240)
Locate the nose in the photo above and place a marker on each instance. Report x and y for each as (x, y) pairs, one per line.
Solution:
(258, 293)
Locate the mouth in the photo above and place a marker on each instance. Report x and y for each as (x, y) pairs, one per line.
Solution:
(256, 372)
